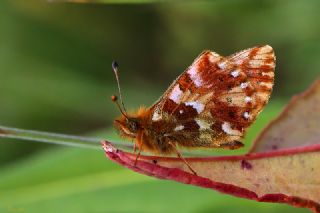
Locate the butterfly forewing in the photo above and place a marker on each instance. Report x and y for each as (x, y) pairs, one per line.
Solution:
(217, 98)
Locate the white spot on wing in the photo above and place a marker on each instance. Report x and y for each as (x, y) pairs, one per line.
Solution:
(203, 124)
(269, 74)
(180, 111)
(246, 115)
(239, 57)
(222, 65)
(175, 94)
(227, 129)
(244, 85)
(156, 116)
(266, 84)
(214, 57)
(247, 99)
(235, 73)
(194, 75)
(265, 49)
(271, 65)
(256, 63)
(178, 128)
(196, 105)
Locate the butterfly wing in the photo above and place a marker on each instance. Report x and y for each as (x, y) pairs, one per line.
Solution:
(213, 102)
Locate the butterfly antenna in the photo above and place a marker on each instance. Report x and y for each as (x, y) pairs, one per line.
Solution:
(114, 98)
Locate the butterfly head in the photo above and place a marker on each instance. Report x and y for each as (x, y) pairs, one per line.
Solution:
(128, 126)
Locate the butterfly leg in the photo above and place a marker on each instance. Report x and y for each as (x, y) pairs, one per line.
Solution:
(139, 143)
(181, 157)
(134, 148)
(137, 157)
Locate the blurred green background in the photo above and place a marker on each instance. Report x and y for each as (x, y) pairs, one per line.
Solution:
(55, 75)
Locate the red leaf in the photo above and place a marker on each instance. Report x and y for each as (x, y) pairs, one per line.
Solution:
(288, 174)
(296, 126)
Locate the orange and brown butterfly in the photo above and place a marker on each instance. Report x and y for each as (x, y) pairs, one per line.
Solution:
(210, 105)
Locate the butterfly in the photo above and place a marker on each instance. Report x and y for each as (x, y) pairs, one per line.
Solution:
(210, 105)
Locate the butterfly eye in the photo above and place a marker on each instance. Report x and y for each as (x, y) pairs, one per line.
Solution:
(132, 125)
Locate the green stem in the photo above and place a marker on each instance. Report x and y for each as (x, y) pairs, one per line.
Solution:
(54, 138)
(67, 140)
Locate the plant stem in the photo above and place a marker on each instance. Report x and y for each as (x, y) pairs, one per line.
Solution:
(54, 138)
(68, 140)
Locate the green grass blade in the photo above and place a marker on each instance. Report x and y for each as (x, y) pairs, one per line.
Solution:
(53, 138)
